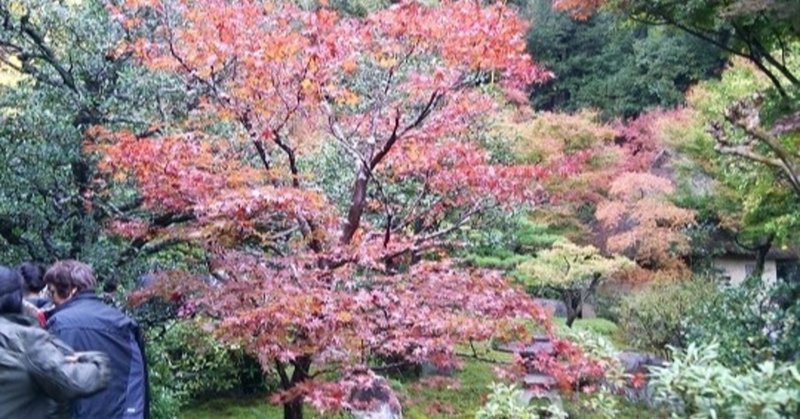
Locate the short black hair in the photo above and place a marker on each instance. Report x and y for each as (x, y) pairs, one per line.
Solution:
(10, 290)
(32, 275)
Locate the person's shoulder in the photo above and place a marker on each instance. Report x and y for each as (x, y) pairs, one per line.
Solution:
(88, 312)
(24, 332)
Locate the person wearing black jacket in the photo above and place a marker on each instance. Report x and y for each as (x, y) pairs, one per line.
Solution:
(85, 322)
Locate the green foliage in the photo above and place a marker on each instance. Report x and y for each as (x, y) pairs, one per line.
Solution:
(50, 205)
(696, 384)
(509, 243)
(506, 402)
(165, 400)
(620, 69)
(600, 404)
(188, 363)
(568, 266)
(753, 322)
(758, 30)
(735, 193)
(654, 317)
(598, 326)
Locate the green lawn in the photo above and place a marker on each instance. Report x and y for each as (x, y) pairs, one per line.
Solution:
(457, 397)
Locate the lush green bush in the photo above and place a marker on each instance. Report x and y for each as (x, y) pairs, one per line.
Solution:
(508, 243)
(654, 317)
(753, 322)
(187, 363)
(608, 298)
(166, 399)
(696, 384)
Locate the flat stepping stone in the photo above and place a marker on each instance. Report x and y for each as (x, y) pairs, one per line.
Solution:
(538, 381)
(540, 344)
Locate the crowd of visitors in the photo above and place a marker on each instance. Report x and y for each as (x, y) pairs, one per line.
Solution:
(64, 352)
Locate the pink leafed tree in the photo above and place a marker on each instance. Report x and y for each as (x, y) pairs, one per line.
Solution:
(316, 285)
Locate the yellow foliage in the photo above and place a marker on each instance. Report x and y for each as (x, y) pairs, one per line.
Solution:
(8, 75)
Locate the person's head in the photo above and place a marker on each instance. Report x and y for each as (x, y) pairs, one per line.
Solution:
(32, 276)
(67, 278)
(11, 290)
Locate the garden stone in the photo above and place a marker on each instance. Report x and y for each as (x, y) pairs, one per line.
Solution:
(371, 397)
(538, 381)
(540, 344)
(429, 369)
(556, 308)
(638, 362)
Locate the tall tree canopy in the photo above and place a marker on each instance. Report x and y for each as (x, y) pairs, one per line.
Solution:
(761, 31)
(619, 68)
(66, 80)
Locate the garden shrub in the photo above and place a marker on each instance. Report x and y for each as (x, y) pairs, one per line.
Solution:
(187, 363)
(606, 302)
(697, 384)
(654, 317)
(166, 400)
(752, 322)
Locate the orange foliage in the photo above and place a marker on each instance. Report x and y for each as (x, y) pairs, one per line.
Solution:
(642, 221)
(579, 9)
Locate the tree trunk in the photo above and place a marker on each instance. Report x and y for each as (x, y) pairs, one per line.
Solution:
(761, 249)
(572, 300)
(357, 202)
(761, 257)
(293, 409)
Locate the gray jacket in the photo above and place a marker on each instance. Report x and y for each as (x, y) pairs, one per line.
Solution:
(40, 375)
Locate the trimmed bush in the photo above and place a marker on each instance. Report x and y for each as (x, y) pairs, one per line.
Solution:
(654, 317)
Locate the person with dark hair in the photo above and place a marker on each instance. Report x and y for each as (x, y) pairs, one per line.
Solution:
(39, 375)
(33, 277)
(84, 321)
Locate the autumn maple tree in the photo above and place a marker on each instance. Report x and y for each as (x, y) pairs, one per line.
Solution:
(641, 221)
(313, 286)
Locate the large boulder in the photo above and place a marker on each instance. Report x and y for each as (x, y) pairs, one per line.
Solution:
(371, 397)
(638, 364)
(556, 308)
(634, 362)
(429, 369)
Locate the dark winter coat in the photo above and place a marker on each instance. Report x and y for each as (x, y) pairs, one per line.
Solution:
(37, 376)
(87, 324)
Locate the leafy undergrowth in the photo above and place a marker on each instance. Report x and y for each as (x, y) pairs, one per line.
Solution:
(459, 396)
(600, 326)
